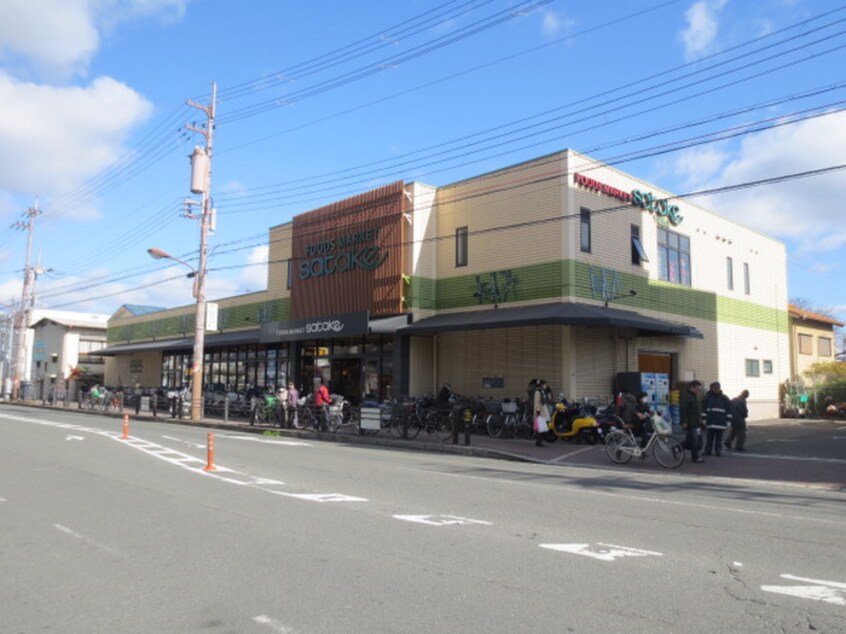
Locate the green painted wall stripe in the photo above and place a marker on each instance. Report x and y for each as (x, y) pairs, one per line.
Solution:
(567, 279)
(229, 318)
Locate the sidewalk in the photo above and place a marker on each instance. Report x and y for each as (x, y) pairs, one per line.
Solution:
(787, 451)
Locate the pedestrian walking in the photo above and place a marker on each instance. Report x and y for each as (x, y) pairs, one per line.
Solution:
(690, 415)
(739, 414)
(716, 415)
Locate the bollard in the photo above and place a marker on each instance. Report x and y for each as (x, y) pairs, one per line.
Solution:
(154, 404)
(125, 427)
(455, 430)
(210, 457)
(466, 433)
(226, 410)
(137, 405)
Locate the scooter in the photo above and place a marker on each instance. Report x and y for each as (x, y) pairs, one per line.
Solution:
(572, 422)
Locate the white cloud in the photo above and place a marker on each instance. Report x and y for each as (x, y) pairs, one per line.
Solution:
(702, 28)
(553, 24)
(52, 137)
(823, 267)
(60, 37)
(807, 210)
(254, 276)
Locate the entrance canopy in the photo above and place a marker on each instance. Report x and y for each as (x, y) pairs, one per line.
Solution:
(565, 314)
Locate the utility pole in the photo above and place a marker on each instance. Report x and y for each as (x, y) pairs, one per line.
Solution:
(201, 184)
(22, 321)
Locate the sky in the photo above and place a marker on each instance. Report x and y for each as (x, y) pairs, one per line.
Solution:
(318, 101)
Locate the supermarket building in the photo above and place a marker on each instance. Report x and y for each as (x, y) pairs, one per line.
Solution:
(560, 268)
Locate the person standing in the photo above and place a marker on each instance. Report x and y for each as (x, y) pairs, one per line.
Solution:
(291, 404)
(690, 413)
(716, 414)
(281, 406)
(540, 411)
(321, 406)
(740, 412)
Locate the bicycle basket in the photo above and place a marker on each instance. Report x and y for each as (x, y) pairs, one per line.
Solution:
(661, 426)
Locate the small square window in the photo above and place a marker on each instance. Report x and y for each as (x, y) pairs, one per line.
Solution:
(753, 367)
(806, 344)
(768, 366)
(824, 346)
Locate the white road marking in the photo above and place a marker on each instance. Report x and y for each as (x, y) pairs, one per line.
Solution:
(737, 564)
(88, 540)
(3, 500)
(825, 591)
(605, 552)
(571, 454)
(197, 465)
(75, 438)
(440, 520)
(274, 624)
(268, 441)
(185, 442)
(322, 497)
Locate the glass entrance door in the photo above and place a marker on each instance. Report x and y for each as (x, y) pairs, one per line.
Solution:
(346, 379)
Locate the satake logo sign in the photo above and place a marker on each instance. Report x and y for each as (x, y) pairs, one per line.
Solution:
(663, 211)
(327, 257)
(324, 326)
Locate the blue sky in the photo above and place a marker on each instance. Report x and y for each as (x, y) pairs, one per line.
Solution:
(321, 100)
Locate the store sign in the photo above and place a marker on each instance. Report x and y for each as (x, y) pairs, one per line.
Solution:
(347, 252)
(345, 325)
(663, 211)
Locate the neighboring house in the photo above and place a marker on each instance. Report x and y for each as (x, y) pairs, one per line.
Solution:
(812, 340)
(62, 342)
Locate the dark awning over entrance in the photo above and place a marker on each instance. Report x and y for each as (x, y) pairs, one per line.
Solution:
(220, 339)
(569, 314)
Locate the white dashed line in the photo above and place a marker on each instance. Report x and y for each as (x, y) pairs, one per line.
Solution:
(273, 624)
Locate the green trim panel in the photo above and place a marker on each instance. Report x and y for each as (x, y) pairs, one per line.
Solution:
(572, 279)
(229, 318)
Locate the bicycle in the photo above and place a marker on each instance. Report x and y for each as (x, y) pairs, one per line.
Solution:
(622, 445)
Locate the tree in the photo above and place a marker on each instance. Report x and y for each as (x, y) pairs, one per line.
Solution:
(826, 372)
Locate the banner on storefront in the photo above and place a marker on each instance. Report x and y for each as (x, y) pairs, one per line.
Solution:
(328, 326)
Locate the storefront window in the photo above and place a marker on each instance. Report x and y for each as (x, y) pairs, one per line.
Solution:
(674, 257)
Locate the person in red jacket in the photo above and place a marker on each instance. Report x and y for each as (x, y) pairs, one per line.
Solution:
(321, 405)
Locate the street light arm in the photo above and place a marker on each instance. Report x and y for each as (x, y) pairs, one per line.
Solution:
(158, 254)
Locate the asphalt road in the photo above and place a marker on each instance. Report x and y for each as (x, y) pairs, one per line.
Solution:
(102, 534)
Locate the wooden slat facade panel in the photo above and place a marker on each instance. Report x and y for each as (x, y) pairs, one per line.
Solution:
(374, 279)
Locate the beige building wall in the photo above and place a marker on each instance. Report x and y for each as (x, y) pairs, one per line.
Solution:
(512, 217)
(136, 368)
(802, 362)
(517, 355)
(278, 255)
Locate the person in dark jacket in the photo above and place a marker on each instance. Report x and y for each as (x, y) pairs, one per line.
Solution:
(716, 416)
(740, 412)
(641, 418)
(690, 416)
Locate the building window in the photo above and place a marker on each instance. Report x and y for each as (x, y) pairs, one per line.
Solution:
(730, 273)
(768, 366)
(753, 367)
(747, 287)
(290, 272)
(461, 246)
(673, 257)
(824, 346)
(806, 344)
(638, 252)
(584, 229)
